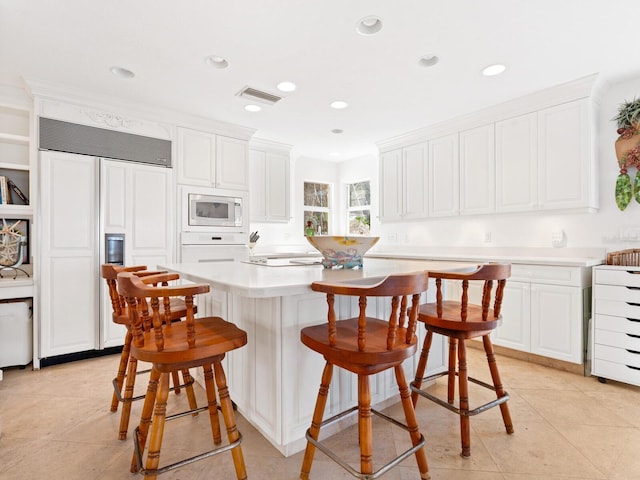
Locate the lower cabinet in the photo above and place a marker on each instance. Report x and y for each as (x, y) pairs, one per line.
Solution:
(616, 323)
(545, 310)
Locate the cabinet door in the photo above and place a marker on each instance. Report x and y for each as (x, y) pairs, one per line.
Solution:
(415, 182)
(515, 330)
(556, 322)
(69, 271)
(565, 156)
(477, 170)
(196, 157)
(444, 187)
(232, 163)
(258, 185)
(277, 190)
(517, 164)
(391, 185)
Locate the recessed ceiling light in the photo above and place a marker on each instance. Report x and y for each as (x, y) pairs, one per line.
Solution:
(216, 61)
(337, 130)
(428, 60)
(286, 86)
(122, 72)
(339, 104)
(369, 25)
(252, 108)
(491, 70)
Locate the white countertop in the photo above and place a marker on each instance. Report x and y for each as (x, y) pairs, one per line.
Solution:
(263, 281)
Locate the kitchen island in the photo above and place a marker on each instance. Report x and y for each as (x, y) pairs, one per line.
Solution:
(274, 379)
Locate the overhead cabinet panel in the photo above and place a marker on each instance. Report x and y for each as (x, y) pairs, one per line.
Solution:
(444, 190)
(477, 170)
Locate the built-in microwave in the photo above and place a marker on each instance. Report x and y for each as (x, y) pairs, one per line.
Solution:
(209, 209)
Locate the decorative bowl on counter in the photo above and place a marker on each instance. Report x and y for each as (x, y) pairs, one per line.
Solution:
(342, 251)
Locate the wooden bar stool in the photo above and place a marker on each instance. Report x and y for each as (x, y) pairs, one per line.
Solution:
(460, 321)
(120, 316)
(172, 347)
(365, 346)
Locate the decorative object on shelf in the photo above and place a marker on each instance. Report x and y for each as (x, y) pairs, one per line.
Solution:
(253, 239)
(309, 230)
(342, 251)
(628, 152)
(13, 246)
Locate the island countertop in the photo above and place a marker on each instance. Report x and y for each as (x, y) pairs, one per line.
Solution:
(274, 280)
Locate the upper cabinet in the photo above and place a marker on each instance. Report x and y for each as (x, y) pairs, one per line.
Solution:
(477, 170)
(403, 183)
(530, 154)
(566, 161)
(517, 163)
(15, 164)
(269, 182)
(212, 160)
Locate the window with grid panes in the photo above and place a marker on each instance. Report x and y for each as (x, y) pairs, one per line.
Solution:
(316, 207)
(359, 208)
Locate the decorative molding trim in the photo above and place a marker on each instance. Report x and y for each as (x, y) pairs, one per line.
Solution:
(110, 120)
(270, 146)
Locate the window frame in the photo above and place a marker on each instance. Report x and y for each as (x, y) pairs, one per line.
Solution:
(313, 208)
(350, 209)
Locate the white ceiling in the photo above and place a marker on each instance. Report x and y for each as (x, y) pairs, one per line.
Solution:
(314, 44)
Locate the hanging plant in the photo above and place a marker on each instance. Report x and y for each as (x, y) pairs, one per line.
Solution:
(628, 152)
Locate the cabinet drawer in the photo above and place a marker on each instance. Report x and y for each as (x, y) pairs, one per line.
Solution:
(617, 308)
(628, 358)
(617, 339)
(629, 278)
(570, 276)
(618, 292)
(617, 324)
(615, 371)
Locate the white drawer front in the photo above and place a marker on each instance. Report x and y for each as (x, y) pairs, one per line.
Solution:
(617, 324)
(618, 292)
(617, 339)
(616, 371)
(617, 277)
(553, 275)
(617, 355)
(617, 308)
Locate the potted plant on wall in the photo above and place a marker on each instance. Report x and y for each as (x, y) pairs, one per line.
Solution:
(628, 152)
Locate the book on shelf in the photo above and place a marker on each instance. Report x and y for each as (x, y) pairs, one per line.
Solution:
(7, 188)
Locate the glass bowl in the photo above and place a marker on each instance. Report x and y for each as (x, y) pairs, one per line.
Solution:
(342, 251)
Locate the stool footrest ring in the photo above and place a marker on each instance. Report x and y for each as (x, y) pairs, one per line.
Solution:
(382, 470)
(453, 408)
(121, 399)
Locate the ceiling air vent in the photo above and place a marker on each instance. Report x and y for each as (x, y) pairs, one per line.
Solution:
(259, 96)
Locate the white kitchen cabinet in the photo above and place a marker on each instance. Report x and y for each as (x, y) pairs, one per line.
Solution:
(444, 176)
(567, 169)
(269, 182)
(403, 183)
(212, 160)
(477, 171)
(615, 329)
(544, 309)
(517, 164)
(15, 161)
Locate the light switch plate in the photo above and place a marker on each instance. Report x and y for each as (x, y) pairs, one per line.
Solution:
(557, 238)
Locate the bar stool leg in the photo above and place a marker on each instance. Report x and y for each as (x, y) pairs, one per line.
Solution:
(187, 379)
(465, 427)
(451, 381)
(214, 419)
(316, 421)
(157, 426)
(176, 383)
(422, 365)
(497, 383)
(128, 398)
(145, 416)
(229, 420)
(365, 425)
(412, 421)
(122, 368)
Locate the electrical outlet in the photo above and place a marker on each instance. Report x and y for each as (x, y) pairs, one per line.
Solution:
(487, 237)
(630, 233)
(392, 237)
(557, 238)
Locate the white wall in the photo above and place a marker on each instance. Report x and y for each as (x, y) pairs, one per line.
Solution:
(601, 229)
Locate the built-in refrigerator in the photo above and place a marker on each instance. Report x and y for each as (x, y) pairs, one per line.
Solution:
(92, 210)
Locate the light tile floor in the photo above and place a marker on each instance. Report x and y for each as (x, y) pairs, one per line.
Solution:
(56, 425)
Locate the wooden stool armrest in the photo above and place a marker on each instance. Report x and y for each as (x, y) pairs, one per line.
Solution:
(158, 278)
(488, 271)
(146, 273)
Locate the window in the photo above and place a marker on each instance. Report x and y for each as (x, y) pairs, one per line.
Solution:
(359, 208)
(316, 208)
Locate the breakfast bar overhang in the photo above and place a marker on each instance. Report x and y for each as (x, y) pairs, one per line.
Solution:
(274, 378)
